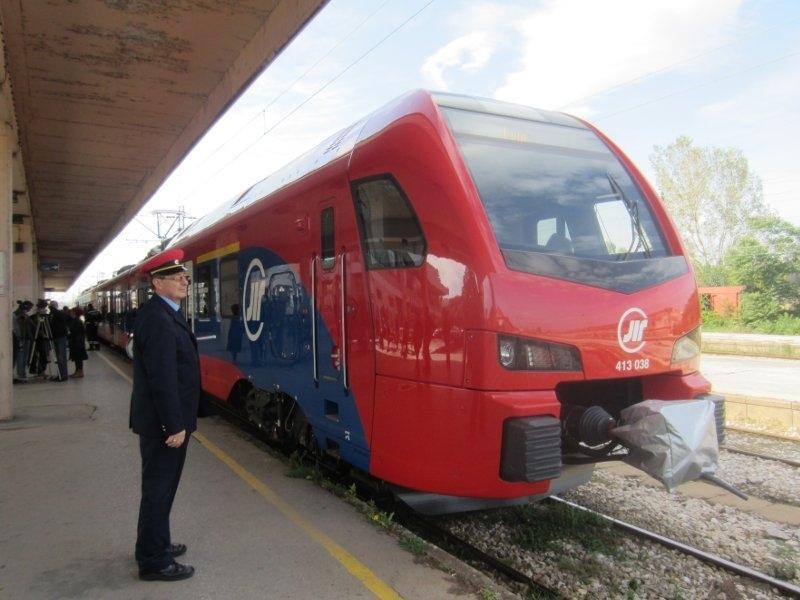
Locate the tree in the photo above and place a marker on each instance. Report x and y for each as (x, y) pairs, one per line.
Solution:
(767, 261)
(711, 194)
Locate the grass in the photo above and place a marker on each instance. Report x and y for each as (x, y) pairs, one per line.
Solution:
(300, 470)
(543, 525)
(784, 566)
(413, 544)
(487, 594)
(381, 518)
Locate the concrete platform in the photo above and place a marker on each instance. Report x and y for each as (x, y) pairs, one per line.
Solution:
(69, 501)
(761, 394)
(751, 344)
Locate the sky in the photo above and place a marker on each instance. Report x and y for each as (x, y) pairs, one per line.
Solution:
(726, 73)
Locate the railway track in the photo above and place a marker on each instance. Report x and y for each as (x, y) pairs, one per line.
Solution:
(787, 461)
(774, 436)
(785, 587)
(415, 522)
(432, 532)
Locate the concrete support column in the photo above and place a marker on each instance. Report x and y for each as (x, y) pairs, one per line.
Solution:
(6, 251)
(25, 272)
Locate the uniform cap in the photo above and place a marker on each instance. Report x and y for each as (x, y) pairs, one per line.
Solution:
(166, 263)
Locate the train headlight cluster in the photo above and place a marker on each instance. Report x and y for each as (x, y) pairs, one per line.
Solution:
(520, 354)
(687, 347)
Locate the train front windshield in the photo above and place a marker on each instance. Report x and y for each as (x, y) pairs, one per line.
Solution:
(560, 202)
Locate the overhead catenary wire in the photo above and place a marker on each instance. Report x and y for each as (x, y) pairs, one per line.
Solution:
(309, 98)
(671, 66)
(263, 111)
(698, 86)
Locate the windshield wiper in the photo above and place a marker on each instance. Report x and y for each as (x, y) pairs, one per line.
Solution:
(637, 233)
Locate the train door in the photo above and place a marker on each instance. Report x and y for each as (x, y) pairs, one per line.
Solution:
(343, 366)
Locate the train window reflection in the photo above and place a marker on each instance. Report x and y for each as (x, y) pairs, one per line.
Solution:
(390, 231)
(204, 292)
(554, 189)
(229, 290)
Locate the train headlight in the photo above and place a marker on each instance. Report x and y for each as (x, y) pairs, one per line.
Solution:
(507, 353)
(519, 354)
(687, 347)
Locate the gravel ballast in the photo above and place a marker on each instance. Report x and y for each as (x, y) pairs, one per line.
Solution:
(585, 560)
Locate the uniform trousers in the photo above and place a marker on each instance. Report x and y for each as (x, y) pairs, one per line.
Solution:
(161, 472)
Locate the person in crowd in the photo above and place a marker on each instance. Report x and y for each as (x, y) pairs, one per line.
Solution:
(77, 342)
(59, 325)
(93, 318)
(23, 334)
(164, 410)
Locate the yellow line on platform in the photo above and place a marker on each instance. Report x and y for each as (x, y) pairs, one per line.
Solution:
(119, 371)
(355, 567)
(370, 581)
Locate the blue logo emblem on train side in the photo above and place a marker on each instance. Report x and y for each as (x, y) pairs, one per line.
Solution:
(255, 284)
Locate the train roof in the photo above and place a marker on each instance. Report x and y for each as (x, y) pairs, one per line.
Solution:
(344, 141)
(505, 109)
(336, 146)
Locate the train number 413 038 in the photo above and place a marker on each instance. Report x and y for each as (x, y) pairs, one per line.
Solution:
(633, 365)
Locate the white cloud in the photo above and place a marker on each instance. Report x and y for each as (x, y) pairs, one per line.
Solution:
(773, 94)
(469, 52)
(762, 119)
(575, 48)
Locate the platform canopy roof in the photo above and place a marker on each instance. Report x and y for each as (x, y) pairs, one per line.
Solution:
(110, 95)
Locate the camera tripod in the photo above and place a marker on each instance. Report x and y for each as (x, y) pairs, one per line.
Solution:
(43, 356)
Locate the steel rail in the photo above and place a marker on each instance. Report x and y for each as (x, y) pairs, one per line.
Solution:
(783, 586)
(788, 461)
(766, 434)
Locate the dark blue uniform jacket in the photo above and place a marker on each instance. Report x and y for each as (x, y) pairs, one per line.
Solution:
(166, 372)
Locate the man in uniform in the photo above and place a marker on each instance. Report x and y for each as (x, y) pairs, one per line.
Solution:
(164, 406)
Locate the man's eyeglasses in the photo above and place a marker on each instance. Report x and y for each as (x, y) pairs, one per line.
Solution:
(177, 278)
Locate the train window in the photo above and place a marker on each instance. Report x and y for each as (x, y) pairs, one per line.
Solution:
(230, 292)
(390, 231)
(143, 294)
(529, 171)
(205, 294)
(614, 222)
(328, 244)
(561, 203)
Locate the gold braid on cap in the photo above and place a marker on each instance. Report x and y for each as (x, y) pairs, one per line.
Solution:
(175, 264)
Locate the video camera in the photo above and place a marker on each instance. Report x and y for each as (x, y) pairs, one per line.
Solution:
(24, 305)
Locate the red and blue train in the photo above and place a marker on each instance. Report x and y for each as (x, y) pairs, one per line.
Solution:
(438, 295)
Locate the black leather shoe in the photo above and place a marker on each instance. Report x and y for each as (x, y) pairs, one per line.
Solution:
(173, 572)
(176, 550)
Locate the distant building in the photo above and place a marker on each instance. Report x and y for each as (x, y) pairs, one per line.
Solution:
(723, 300)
